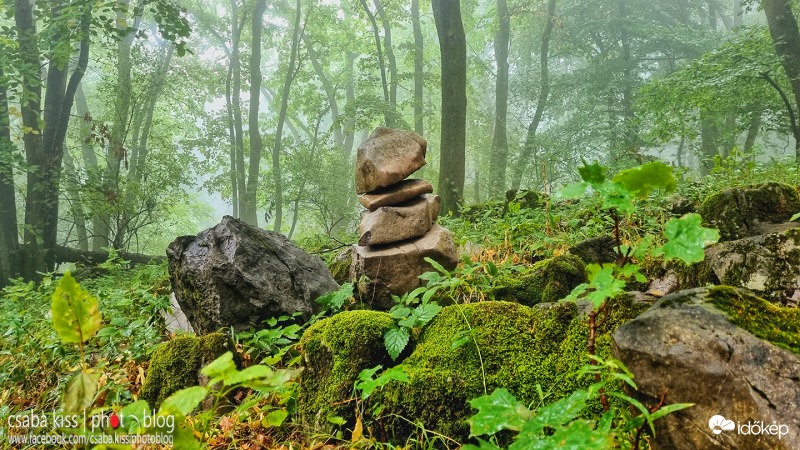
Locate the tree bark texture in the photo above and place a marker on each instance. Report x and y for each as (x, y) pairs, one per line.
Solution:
(9, 230)
(453, 48)
(419, 68)
(498, 160)
(786, 39)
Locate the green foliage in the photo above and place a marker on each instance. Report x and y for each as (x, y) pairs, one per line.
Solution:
(411, 312)
(367, 383)
(560, 424)
(335, 301)
(76, 315)
(687, 238)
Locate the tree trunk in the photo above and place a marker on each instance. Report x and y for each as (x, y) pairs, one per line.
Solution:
(419, 68)
(387, 46)
(709, 136)
(9, 231)
(453, 48)
(786, 39)
(64, 254)
(350, 95)
(752, 130)
(291, 71)
(541, 104)
(32, 256)
(387, 115)
(330, 92)
(75, 202)
(232, 134)
(498, 160)
(236, 104)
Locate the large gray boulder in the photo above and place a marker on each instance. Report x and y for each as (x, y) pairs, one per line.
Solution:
(387, 157)
(688, 345)
(767, 264)
(749, 210)
(238, 275)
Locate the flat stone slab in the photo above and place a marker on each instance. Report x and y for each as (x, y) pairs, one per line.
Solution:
(408, 220)
(395, 194)
(387, 157)
(395, 268)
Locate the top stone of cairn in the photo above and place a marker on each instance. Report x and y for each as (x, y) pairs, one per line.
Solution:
(387, 157)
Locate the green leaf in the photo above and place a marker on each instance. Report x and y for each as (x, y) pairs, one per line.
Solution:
(336, 420)
(368, 385)
(80, 393)
(275, 418)
(573, 191)
(642, 180)
(687, 238)
(396, 340)
(426, 313)
(592, 173)
(185, 400)
(482, 445)
(556, 414)
(461, 338)
(794, 217)
(496, 412)
(76, 316)
(605, 286)
(222, 367)
(250, 373)
(335, 300)
(579, 435)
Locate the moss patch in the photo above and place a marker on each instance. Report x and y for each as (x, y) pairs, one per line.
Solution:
(519, 346)
(780, 326)
(547, 281)
(175, 364)
(335, 351)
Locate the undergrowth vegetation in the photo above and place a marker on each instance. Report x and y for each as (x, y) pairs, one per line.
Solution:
(256, 405)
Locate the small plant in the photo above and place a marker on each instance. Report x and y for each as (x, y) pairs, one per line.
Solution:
(559, 424)
(410, 312)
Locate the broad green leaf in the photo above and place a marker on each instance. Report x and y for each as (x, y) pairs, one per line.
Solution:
(335, 300)
(641, 181)
(496, 412)
(605, 286)
(579, 435)
(76, 316)
(794, 217)
(275, 418)
(556, 414)
(437, 266)
(250, 373)
(396, 340)
(136, 409)
(395, 373)
(592, 173)
(659, 413)
(336, 420)
(461, 338)
(367, 374)
(687, 238)
(573, 191)
(482, 445)
(185, 400)
(426, 313)
(400, 312)
(221, 367)
(80, 392)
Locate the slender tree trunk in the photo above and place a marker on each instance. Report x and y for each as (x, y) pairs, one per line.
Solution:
(250, 206)
(453, 48)
(752, 130)
(76, 204)
(9, 231)
(709, 137)
(630, 134)
(232, 134)
(680, 151)
(387, 46)
(541, 104)
(32, 258)
(350, 95)
(786, 39)
(236, 69)
(738, 13)
(498, 161)
(330, 92)
(419, 69)
(388, 116)
(276, 151)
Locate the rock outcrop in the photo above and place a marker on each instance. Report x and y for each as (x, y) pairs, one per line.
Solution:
(728, 352)
(547, 281)
(398, 231)
(747, 211)
(237, 275)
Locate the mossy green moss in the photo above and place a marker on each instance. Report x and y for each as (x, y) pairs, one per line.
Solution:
(335, 351)
(340, 270)
(547, 281)
(780, 326)
(175, 364)
(519, 347)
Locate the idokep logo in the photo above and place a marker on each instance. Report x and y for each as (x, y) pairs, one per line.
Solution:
(718, 424)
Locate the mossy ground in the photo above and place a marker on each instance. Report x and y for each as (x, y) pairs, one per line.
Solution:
(517, 348)
(175, 364)
(547, 281)
(778, 325)
(335, 351)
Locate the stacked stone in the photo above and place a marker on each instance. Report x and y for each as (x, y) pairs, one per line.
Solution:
(398, 230)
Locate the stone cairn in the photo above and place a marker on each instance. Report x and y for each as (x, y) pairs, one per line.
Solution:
(398, 230)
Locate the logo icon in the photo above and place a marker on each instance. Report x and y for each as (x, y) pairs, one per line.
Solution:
(718, 424)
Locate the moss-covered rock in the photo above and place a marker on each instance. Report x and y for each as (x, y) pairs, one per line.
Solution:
(176, 364)
(340, 266)
(517, 348)
(737, 212)
(526, 198)
(688, 275)
(335, 351)
(547, 281)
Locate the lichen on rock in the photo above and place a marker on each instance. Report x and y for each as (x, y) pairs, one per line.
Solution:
(176, 364)
(547, 281)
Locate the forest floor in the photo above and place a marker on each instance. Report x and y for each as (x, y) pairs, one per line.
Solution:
(35, 366)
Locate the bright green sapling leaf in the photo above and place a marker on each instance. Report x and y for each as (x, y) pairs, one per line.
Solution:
(578, 435)
(80, 392)
(221, 368)
(426, 313)
(185, 400)
(687, 238)
(496, 412)
(573, 191)
(592, 173)
(642, 180)
(396, 340)
(335, 300)
(76, 316)
(367, 384)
